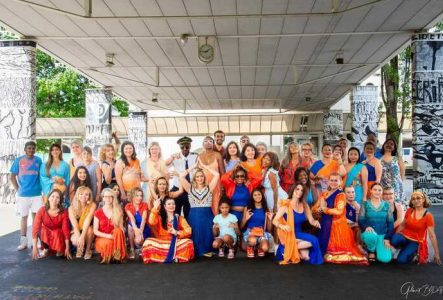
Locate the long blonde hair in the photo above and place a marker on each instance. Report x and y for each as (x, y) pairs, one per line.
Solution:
(117, 212)
(288, 156)
(197, 170)
(76, 204)
(159, 149)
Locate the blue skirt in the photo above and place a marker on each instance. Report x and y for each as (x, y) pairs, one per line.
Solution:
(201, 220)
(315, 257)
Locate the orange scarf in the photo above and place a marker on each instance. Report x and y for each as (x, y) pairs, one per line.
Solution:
(288, 239)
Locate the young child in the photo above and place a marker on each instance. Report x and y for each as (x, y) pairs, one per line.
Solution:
(352, 212)
(225, 229)
(255, 218)
(137, 212)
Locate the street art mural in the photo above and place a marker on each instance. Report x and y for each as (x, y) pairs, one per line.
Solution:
(17, 107)
(427, 114)
(333, 126)
(137, 132)
(364, 110)
(98, 119)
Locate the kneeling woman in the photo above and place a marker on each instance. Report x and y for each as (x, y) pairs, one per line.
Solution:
(108, 229)
(377, 224)
(336, 238)
(257, 220)
(288, 220)
(81, 213)
(51, 225)
(173, 243)
(137, 213)
(412, 232)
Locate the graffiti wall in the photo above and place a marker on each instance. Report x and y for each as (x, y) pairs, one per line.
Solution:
(98, 119)
(137, 132)
(427, 115)
(364, 110)
(17, 107)
(333, 126)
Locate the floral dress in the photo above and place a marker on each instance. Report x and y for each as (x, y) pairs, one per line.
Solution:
(391, 177)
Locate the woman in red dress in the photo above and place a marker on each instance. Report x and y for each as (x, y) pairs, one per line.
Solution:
(51, 225)
(110, 239)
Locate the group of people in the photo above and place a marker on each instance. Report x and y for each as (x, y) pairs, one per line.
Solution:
(346, 207)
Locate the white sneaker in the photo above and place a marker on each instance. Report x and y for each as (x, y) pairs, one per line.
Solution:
(23, 243)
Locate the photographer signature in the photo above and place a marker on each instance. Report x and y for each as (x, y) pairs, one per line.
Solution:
(425, 290)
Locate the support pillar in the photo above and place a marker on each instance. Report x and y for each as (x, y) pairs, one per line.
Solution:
(98, 120)
(17, 107)
(364, 110)
(332, 126)
(138, 132)
(427, 114)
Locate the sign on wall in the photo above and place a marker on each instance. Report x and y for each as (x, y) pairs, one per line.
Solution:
(137, 132)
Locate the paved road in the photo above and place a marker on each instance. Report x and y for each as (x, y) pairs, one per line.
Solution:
(241, 278)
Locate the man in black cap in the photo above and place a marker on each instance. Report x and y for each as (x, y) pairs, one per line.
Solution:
(181, 161)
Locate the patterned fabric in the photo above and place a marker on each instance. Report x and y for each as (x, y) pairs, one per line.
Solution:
(202, 198)
(391, 177)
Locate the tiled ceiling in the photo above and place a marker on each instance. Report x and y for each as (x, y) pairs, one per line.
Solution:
(268, 53)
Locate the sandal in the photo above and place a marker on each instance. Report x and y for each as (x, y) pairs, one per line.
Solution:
(371, 257)
(88, 255)
(79, 253)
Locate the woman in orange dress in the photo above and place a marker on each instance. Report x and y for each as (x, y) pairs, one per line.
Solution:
(173, 243)
(51, 226)
(336, 239)
(250, 161)
(330, 163)
(128, 172)
(110, 239)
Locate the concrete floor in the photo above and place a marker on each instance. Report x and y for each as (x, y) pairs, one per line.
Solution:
(55, 278)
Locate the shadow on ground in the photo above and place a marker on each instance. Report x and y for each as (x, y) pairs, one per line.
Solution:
(54, 278)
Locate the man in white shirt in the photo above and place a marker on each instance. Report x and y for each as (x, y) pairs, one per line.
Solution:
(181, 161)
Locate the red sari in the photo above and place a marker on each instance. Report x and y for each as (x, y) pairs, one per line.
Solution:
(110, 249)
(53, 231)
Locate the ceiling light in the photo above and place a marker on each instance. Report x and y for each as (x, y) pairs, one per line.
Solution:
(154, 97)
(339, 58)
(109, 59)
(184, 39)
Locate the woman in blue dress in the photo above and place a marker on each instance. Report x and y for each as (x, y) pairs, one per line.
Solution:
(55, 174)
(356, 175)
(200, 215)
(296, 244)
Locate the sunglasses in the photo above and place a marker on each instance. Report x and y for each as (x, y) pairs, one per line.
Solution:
(240, 176)
(305, 149)
(185, 147)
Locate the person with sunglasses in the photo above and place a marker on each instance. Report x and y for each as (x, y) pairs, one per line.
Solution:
(182, 161)
(238, 187)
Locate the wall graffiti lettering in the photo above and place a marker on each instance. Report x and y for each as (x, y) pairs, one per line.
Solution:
(427, 115)
(332, 126)
(98, 127)
(137, 132)
(17, 107)
(364, 101)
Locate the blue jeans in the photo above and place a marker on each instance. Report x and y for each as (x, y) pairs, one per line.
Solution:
(408, 248)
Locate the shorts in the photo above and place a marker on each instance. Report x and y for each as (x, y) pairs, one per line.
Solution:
(266, 237)
(24, 204)
(234, 237)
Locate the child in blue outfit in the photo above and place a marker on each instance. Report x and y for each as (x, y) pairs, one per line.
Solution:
(225, 229)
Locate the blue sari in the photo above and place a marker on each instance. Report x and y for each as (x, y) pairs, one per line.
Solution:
(326, 223)
(170, 258)
(353, 180)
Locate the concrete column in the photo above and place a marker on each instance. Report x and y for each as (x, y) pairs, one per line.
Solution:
(332, 126)
(17, 107)
(138, 132)
(98, 120)
(427, 114)
(364, 111)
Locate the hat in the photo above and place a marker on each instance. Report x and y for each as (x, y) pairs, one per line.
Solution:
(184, 140)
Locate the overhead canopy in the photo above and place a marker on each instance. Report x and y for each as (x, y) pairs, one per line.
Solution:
(176, 126)
(268, 53)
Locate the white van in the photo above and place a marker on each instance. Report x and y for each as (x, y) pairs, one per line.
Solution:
(407, 157)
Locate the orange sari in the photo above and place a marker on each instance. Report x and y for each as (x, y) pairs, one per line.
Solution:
(114, 249)
(342, 248)
(288, 239)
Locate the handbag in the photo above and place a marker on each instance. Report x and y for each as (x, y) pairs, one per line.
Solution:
(258, 231)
